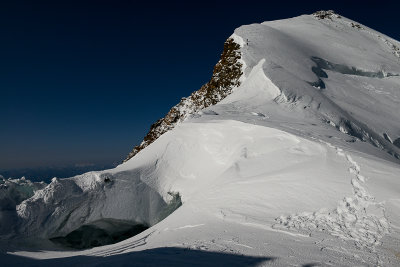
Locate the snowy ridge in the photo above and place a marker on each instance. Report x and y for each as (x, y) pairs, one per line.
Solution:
(226, 76)
(328, 100)
(331, 15)
(294, 161)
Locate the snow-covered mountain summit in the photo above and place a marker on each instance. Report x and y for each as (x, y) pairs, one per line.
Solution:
(290, 153)
(309, 51)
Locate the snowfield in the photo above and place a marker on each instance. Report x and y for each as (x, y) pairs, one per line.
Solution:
(298, 166)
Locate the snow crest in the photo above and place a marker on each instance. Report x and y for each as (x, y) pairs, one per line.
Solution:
(227, 75)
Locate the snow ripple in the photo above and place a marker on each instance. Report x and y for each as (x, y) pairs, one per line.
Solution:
(358, 217)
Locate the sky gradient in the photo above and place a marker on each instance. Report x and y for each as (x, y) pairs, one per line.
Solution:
(82, 81)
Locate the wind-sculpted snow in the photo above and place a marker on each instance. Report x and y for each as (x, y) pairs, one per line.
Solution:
(358, 217)
(294, 53)
(343, 69)
(234, 179)
(271, 167)
(67, 204)
(226, 76)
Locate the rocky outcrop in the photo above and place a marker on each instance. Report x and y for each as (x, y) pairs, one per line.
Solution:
(326, 14)
(225, 77)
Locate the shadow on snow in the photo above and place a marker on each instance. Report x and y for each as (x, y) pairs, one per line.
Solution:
(167, 256)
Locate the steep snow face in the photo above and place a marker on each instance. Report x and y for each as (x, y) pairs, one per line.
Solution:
(291, 164)
(302, 56)
(256, 87)
(66, 204)
(345, 75)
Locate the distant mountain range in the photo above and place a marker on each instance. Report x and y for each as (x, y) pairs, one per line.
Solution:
(46, 173)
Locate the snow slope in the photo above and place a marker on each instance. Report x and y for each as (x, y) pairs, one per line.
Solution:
(298, 166)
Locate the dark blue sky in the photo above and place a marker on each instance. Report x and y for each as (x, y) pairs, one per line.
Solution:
(82, 81)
